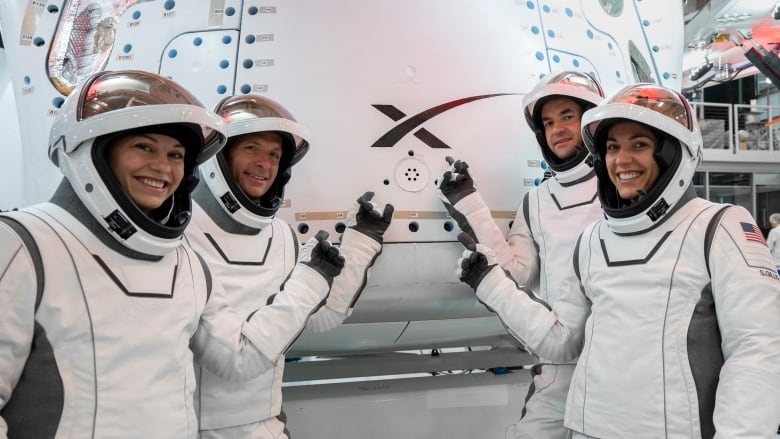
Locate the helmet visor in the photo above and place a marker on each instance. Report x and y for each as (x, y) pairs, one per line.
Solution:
(248, 113)
(637, 100)
(569, 83)
(124, 89)
(250, 107)
(576, 79)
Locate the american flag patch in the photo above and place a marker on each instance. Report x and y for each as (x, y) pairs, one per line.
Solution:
(752, 233)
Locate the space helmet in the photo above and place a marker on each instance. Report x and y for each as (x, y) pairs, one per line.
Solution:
(247, 114)
(583, 89)
(678, 152)
(112, 104)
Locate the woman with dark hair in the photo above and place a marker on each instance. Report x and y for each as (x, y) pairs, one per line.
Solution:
(672, 303)
(104, 307)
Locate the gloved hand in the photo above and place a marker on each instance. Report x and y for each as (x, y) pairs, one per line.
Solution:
(456, 183)
(366, 218)
(476, 262)
(319, 254)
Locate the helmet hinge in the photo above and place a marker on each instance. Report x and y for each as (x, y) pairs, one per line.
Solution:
(120, 225)
(229, 202)
(658, 210)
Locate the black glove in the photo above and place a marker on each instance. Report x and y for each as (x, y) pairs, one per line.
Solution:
(319, 254)
(368, 220)
(475, 263)
(456, 182)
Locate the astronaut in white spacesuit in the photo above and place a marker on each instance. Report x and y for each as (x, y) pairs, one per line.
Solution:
(773, 239)
(104, 307)
(673, 300)
(546, 225)
(252, 252)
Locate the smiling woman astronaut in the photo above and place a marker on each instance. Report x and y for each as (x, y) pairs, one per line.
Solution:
(673, 288)
(103, 304)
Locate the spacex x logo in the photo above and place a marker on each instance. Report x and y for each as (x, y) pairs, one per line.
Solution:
(390, 138)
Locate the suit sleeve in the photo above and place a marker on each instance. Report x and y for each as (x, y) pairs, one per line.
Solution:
(524, 265)
(746, 291)
(238, 347)
(519, 254)
(17, 313)
(360, 252)
(554, 333)
(219, 345)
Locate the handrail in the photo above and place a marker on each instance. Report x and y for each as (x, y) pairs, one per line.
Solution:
(741, 132)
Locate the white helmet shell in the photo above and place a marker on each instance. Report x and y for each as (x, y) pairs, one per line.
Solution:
(572, 84)
(247, 114)
(108, 104)
(666, 111)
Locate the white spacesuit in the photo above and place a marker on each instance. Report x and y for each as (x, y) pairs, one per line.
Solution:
(674, 315)
(773, 239)
(543, 234)
(253, 252)
(101, 302)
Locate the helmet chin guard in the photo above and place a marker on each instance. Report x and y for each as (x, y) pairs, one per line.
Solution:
(678, 152)
(113, 104)
(245, 115)
(572, 84)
